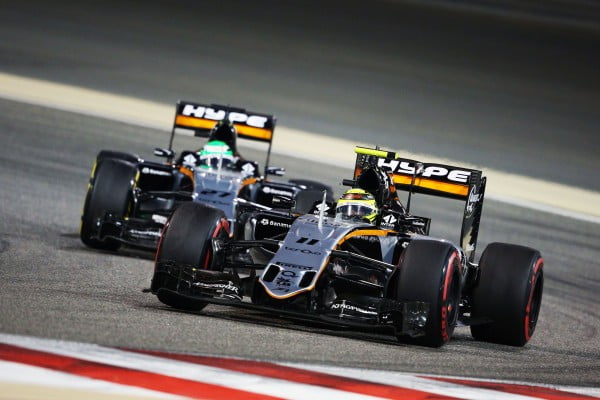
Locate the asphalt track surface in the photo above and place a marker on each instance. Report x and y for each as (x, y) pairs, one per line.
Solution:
(52, 286)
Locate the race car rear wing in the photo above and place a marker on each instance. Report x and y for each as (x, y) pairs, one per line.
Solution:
(198, 119)
(435, 179)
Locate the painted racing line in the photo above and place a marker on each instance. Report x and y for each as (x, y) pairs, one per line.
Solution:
(40, 368)
(523, 191)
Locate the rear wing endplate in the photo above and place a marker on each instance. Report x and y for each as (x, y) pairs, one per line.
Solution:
(435, 179)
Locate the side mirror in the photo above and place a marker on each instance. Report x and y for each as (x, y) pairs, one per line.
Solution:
(165, 153)
(278, 171)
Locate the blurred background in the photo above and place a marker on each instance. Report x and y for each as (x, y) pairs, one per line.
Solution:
(511, 85)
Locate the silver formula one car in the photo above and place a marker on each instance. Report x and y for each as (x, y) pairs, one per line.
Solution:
(364, 261)
(129, 198)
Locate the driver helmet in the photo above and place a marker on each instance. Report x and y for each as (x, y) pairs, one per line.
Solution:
(357, 204)
(224, 131)
(214, 153)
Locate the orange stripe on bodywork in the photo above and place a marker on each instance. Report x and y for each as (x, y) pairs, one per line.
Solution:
(249, 181)
(187, 172)
(246, 182)
(365, 232)
(357, 172)
(257, 133)
(192, 122)
(306, 289)
(244, 130)
(453, 188)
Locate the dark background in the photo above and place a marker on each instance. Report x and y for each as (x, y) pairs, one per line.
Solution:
(510, 85)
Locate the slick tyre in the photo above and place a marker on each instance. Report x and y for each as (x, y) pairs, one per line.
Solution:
(186, 241)
(117, 155)
(430, 273)
(110, 191)
(508, 294)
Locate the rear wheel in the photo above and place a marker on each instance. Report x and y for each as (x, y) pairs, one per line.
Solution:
(430, 273)
(110, 191)
(508, 294)
(186, 242)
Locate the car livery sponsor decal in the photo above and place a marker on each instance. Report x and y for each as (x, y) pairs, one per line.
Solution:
(225, 289)
(137, 232)
(322, 208)
(472, 201)
(343, 306)
(159, 219)
(295, 266)
(248, 169)
(270, 222)
(326, 222)
(201, 118)
(198, 111)
(277, 192)
(390, 219)
(429, 171)
(151, 171)
(303, 251)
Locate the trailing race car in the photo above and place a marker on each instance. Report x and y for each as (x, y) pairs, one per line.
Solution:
(364, 261)
(129, 199)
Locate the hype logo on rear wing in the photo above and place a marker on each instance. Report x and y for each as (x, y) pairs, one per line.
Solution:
(420, 177)
(434, 179)
(201, 118)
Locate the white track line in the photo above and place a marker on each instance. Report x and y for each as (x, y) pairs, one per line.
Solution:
(415, 382)
(16, 373)
(183, 370)
(412, 381)
(523, 191)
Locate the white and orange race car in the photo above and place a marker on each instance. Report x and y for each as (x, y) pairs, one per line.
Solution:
(378, 269)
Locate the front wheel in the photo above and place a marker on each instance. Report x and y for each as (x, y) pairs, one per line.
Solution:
(186, 245)
(430, 273)
(508, 295)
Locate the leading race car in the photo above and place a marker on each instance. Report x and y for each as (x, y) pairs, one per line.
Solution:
(129, 199)
(364, 261)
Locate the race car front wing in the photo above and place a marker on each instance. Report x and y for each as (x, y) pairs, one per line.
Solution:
(192, 288)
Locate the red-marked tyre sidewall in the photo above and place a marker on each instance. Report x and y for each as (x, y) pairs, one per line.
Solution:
(508, 294)
(430, 272)
(221, 231)
(159, 244)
